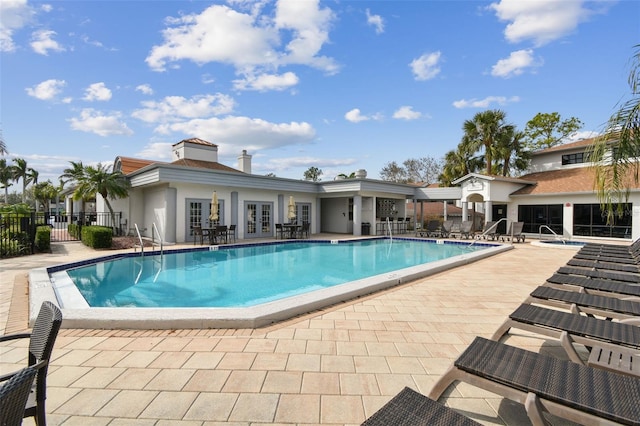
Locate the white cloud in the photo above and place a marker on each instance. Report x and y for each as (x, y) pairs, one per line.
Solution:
(178, 108)
(97, 92)
(376, 21)
(355, 116)
(145, 89)
(250, 42)
(288, 163)
(406, 113)
(486, 102)
(265, 82)
(156, 151)
(233, 133)
(14, 15)
(47, 90)
(92, 121)
(541, 21)
(42, 42)
(426, 66)
(515, 64)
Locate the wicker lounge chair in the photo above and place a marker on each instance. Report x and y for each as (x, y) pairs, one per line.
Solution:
(13, 396)
(569, 328)
(575, 392)
(41, 340)
(410, 408)
(599, 265)
(587, 285)
(592, 304)
(607, 275)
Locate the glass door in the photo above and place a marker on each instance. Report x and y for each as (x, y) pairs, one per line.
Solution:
(259, 219)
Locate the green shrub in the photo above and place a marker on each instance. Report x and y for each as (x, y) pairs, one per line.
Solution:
(73, 230)
(43, 238)
(97, 236)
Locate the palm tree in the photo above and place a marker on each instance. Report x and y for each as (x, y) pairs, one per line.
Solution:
(483, 131)
(459, 162)
(72, 175)
(44, 192)
(511, 151)
(101, 180)
(3, 146)
(6, 175)
(27, 174)
(617, 172)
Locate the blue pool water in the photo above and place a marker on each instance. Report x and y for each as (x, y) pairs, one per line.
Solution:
(249, 275)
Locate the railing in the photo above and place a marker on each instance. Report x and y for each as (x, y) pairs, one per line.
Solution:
(556, 236)
(389, 229)
(135, 225)
(154, 231)
(491, 228)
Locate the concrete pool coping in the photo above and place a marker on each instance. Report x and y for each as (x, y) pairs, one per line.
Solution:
(47, 284)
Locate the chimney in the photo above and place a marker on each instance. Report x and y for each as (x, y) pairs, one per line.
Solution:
(195, 149)
(244, 162)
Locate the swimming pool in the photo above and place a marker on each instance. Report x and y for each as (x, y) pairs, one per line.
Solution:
(565, 244)
(306, 276)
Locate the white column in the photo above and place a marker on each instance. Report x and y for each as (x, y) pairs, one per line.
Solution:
(488, 211)
(465, 211)
(444, 209)
(357, 215)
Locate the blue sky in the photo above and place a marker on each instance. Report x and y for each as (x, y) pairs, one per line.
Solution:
(339, 85)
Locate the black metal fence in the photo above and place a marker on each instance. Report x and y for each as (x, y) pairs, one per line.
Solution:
(17, 231)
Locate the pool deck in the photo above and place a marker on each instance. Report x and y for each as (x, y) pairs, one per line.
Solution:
(334, 366)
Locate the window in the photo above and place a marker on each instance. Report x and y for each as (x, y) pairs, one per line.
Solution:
(544, 215)
(577, 158)
(589, 220)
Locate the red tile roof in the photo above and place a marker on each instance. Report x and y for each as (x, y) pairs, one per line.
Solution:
(204, 165)
(196, 141)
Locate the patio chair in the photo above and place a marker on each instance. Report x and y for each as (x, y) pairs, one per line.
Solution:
(570, 329)
(489, 231)
(232, 232)
(411, 408)
(465, 229)
(198, 232)
(41, 341)
(515, 232)
(591, 304)
(628, 260)
(606, 275)
(279, 230)
(220, 235)
(587, 285)
(445, 229)
(14, 395)
(575, 392)
(431, 230)
(605, 266)
(304, 230)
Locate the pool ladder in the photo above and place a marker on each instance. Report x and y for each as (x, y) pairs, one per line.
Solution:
(494, 226)
(160, 261)
(555, 236)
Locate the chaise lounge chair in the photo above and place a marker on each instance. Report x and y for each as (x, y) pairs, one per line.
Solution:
(432, 229)
(600, 265)
(465, 229)
(607, 275)
(588, 285)
(579, 393)
(410, 408)
(570, 328)
(445, 229)
(514, 233)
(591, 304)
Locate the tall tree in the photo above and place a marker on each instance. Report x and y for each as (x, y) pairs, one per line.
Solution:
(618, 171)
(20, 171)
(101, 180)
(510, 152)
(44, 192)
(393, 172)
(73, 175)
(3, 145)
(482, 132)
(549, 129)
(313, 174)
(460, 162)
(6, 176)
(424, 169)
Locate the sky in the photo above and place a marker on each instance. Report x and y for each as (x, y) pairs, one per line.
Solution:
(338, 85)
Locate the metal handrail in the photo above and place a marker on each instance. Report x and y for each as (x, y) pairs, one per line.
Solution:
(389, 228)
(556, 236)
(155, 228)
(492, 227)
(139, 239)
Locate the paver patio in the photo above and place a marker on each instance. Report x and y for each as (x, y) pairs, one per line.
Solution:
(335, 366)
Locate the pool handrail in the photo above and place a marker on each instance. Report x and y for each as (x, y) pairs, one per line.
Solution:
(154, 231)
(491, 228)
(139, 239)
(556, 236)
(389, 229)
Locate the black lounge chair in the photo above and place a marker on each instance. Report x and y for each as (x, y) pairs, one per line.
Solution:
(608, 275)
(612, 258)
(588, 285)
(410, 408)
(432, 229)
(569, 328)
(592, 304)
(41, 341)
(13, 396)
(600, 265)
(575, 392)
